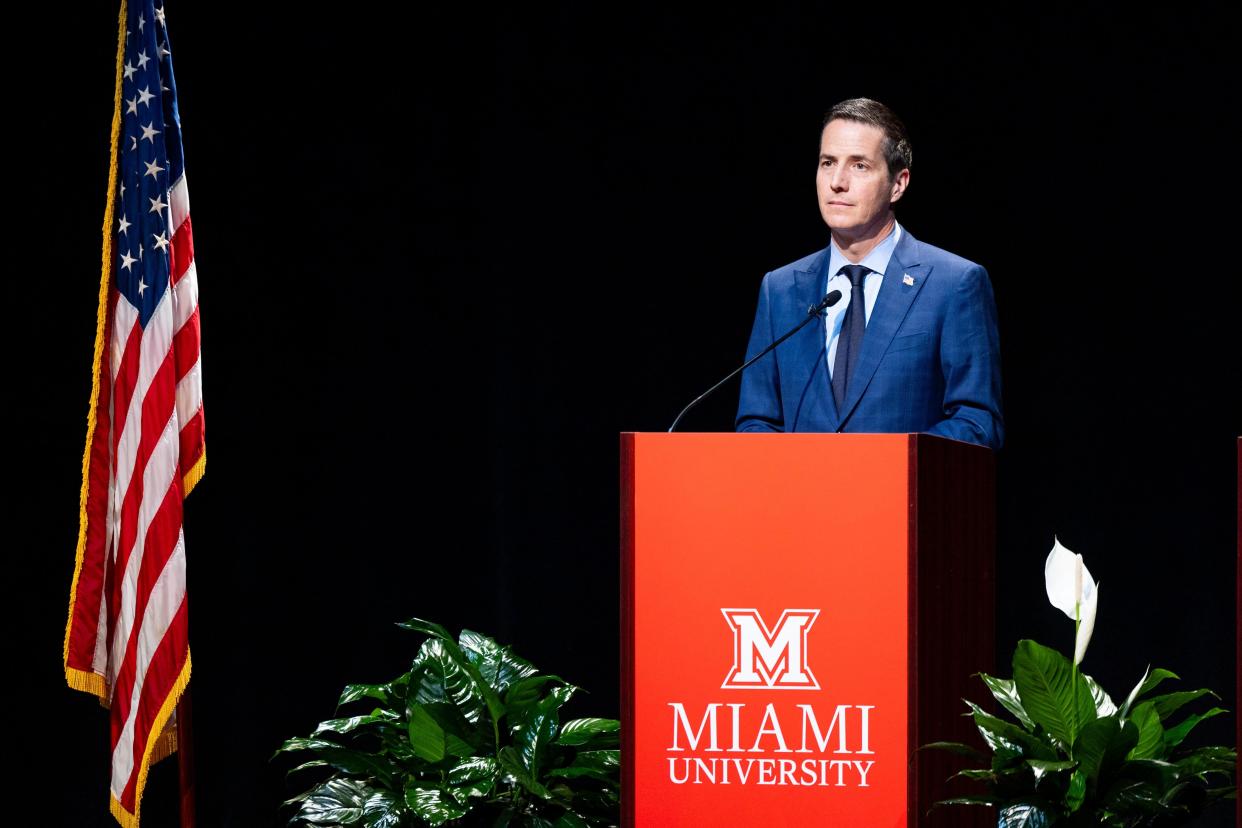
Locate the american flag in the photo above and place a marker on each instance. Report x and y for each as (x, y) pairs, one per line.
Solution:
(126, 639)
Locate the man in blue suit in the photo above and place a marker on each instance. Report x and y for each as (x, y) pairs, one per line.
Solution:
(912, 343)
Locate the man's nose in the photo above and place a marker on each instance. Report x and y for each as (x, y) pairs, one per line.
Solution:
(839, 179)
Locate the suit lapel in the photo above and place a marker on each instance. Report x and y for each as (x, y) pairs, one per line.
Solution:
(808, 378)
(891, 305)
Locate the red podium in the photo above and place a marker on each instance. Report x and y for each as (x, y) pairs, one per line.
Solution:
(799, 613)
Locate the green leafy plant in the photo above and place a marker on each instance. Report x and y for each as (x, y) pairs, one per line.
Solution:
(1073, 757)
(471, 732)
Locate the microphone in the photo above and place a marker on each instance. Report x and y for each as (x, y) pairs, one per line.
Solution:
(811, 312)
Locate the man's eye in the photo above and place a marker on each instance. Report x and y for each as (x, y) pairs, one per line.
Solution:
(860, 166)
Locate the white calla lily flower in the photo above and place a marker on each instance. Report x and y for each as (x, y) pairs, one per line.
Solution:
(1072, 590)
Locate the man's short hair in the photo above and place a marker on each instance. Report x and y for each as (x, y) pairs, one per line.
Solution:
(896, 146)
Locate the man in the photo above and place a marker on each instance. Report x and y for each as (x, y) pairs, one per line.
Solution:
(912, 343)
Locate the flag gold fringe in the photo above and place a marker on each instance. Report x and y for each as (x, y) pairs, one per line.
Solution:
(123, 816)
(194, 475)
(78, 679)
(87, 682)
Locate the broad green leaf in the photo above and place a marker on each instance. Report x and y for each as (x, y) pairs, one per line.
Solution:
(570, 820)
(511, 762)
(604, 765)
(1098, 739)
(1125, 793)
(533, 821)
(1170, 703)
(461, 737)
(475, 777)
(430, 627)
(490, 698)
(314, 763)
(976, 774)
(1206, 760)
(498, 665)
(441, 679)
(1104, 705)
(357, 762)
(537, 727)
(1004, 691)
(1154, 677)
(335, 802)
(384, 809)
(396, 744)
(999, 734)
(525, 692)
(433, 806)
(1174, 735)
(1151, 733)
(581, 731)
(1151, 678)
(354, 722)
(1053, 694)
(426, 735)
(560, 790)
(1077, 791)
(354, 692)
(1043, 766)
(1007, 759)
(956, 747)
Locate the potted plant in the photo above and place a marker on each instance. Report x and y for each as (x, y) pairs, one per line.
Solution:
(1071, 756)
(471, 734)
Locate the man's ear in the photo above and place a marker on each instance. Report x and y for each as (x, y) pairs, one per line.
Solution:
(900, 182)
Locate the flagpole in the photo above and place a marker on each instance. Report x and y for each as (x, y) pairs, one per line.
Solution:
(185, 759)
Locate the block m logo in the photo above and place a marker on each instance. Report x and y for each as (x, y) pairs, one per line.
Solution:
(773, 659)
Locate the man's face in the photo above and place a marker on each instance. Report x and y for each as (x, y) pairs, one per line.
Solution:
(854, 188)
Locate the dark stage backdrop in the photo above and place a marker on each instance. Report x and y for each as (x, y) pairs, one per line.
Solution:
(445, 259)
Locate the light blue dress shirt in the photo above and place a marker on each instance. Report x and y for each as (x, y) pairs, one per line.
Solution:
(877, 260)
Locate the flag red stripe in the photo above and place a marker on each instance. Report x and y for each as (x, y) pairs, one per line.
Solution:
(182, 246)
(124, 385)
(192, 441)
(161, 540)
(166, 666)
(80, 653)
(185, 345)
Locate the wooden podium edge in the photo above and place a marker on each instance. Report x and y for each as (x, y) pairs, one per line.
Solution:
(952, 519)
(627, 629)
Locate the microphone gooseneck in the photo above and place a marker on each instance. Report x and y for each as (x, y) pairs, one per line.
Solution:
(813, 311)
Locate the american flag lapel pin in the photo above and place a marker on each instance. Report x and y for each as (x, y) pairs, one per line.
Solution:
(907, 280)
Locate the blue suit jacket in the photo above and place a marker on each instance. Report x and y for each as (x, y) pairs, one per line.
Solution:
(930, 358)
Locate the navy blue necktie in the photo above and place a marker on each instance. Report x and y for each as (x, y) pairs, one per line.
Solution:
(849, 342)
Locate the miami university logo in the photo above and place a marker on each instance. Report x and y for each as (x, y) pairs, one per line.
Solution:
(774, 659)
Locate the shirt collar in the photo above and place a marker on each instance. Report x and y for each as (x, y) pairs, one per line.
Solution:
(876, 260)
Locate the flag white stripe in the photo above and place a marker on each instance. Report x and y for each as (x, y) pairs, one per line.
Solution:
(185, 297)
(190, 393)
(179, 198)
(123, 321)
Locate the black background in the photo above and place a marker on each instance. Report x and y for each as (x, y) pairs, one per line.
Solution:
(445, 258)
